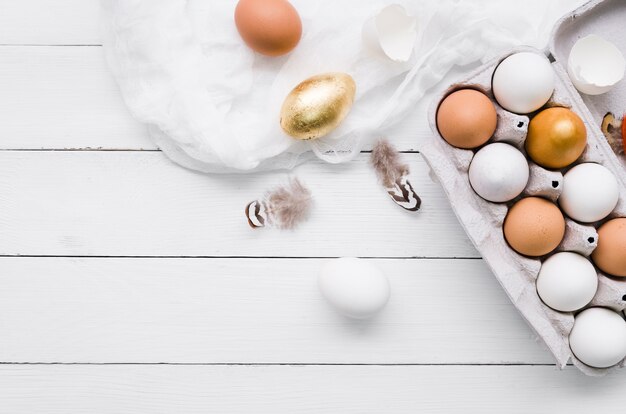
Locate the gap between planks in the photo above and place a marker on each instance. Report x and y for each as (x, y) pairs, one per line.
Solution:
(87, 149)
(243, 257)
(47, 45)
(291, 364)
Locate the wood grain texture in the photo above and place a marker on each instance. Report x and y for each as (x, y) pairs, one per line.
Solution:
(43, 22)
(141, 204)
(63, 97)
(252, 311)
(289, 389)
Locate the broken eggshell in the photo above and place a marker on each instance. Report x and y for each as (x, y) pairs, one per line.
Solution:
(391, 32)
(595, 65)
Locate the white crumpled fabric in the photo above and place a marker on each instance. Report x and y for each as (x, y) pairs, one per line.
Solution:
(213, 105)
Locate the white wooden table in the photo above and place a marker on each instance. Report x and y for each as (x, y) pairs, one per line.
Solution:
(131, 285)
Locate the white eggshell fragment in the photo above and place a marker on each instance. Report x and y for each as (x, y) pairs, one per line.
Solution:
(598, 338)
(498, 172)
(523, 82)
(567, 282)
(393, 32)
(590, 192)
(595, 65)
(354, 287)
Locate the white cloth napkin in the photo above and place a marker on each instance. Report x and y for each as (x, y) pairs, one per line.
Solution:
(213, 105)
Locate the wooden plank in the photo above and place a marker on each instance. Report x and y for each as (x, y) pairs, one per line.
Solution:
(141, 204)
(321, 389)
(43, 22)
(65, 98)
(252, 311)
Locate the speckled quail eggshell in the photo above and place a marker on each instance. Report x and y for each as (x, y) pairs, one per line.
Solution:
(498, 172)
(590, 192)
(567, 282)
(355, 287)
(598, 338)
(523, 82)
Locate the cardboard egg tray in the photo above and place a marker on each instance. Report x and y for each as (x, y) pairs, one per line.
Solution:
(483, 220)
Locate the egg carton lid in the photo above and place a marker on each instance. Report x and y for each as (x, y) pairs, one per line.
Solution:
(604, 18)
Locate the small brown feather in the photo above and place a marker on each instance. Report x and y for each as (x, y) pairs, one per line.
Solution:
(392, 174)
(386, 162)
(284, 207)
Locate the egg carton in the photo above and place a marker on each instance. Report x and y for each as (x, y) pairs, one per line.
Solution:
(606, 19)
(483, 220)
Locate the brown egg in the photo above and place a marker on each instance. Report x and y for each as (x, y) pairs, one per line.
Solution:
(270, 27)
(610, 255)
(534, 226)
(466, 118)
(556, 138)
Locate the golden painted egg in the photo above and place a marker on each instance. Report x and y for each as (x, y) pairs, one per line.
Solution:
(556, 138)
(317, 106)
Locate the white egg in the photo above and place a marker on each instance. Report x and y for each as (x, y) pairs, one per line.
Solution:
(598, 338)
(567, 282)
(498, 172)
(354, 287)
(590, 192)
(595, 65)
(523, 82)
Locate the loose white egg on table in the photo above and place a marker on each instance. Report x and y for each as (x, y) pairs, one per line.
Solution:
(590, 192)
(523, 82)
(567, 282)
(598, 338)
(498, 172)
(355, 287)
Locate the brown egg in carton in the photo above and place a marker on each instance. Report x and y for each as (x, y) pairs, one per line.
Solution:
(483, 220)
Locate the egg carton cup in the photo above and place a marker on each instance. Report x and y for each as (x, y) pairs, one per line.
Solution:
(483, 220)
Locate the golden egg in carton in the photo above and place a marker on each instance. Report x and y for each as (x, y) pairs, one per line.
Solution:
(483, 220)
